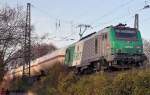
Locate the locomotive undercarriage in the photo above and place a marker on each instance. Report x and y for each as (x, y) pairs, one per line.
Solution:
(127, 61)
(119, 61)
(94, 66)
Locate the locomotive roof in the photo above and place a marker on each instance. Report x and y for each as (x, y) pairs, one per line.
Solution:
(87, 36)
(90, 35)
(119, 26)
(123, 26)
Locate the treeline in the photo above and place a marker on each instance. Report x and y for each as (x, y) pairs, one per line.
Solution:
(60, 81)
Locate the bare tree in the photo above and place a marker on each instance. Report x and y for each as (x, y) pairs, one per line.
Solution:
(39, 50)
(147, 49)
(12, 24)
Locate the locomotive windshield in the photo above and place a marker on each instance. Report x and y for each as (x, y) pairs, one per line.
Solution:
(126, 34)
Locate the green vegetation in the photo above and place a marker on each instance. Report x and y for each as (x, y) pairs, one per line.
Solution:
(20, 85)
(60, 81)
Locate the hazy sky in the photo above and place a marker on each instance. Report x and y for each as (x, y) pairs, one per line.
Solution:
(69, 13)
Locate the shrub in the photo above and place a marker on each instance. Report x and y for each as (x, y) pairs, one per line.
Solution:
(142, 83)
(96, 84)
(123, 84)
(60, 81)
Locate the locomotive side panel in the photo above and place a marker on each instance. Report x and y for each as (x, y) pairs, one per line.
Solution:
(78, 54)
(88, 51)
(96, 48)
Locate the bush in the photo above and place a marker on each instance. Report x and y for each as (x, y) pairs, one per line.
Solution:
(142, 83)
(96, 84)
(50, 83)
(123, 84)
(60, 81)
(132, 83)
(20, 85)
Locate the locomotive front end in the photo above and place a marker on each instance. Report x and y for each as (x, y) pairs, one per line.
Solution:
(127, 46)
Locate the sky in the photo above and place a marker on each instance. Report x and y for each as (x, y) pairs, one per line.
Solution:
(59, 18)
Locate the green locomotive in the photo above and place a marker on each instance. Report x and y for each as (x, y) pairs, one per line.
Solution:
(114, 46)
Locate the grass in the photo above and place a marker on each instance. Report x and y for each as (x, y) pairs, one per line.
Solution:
(61, 81)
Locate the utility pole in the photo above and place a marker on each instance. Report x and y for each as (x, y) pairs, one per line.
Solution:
(27, 43)
(84, 27)
(136, 21)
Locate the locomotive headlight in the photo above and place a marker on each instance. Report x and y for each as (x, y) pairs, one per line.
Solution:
(129, 47)
(140, 51)
(118, 50)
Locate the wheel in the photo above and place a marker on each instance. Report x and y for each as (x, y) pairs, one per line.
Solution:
(77, 71)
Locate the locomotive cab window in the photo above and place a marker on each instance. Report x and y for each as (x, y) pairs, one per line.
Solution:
(104, 36)
(126, 34)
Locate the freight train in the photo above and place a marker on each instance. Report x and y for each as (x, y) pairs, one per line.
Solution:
(114, 46)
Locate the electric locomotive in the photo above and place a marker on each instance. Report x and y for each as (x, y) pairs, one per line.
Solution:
(114, 46)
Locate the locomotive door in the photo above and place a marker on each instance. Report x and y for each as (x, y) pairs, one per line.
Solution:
(103, 44)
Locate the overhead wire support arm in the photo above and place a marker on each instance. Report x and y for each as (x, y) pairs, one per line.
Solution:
(146, 5)
(83, 26)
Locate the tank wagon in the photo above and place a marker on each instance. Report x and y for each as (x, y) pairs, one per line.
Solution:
(39, 66)
(114, 46)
